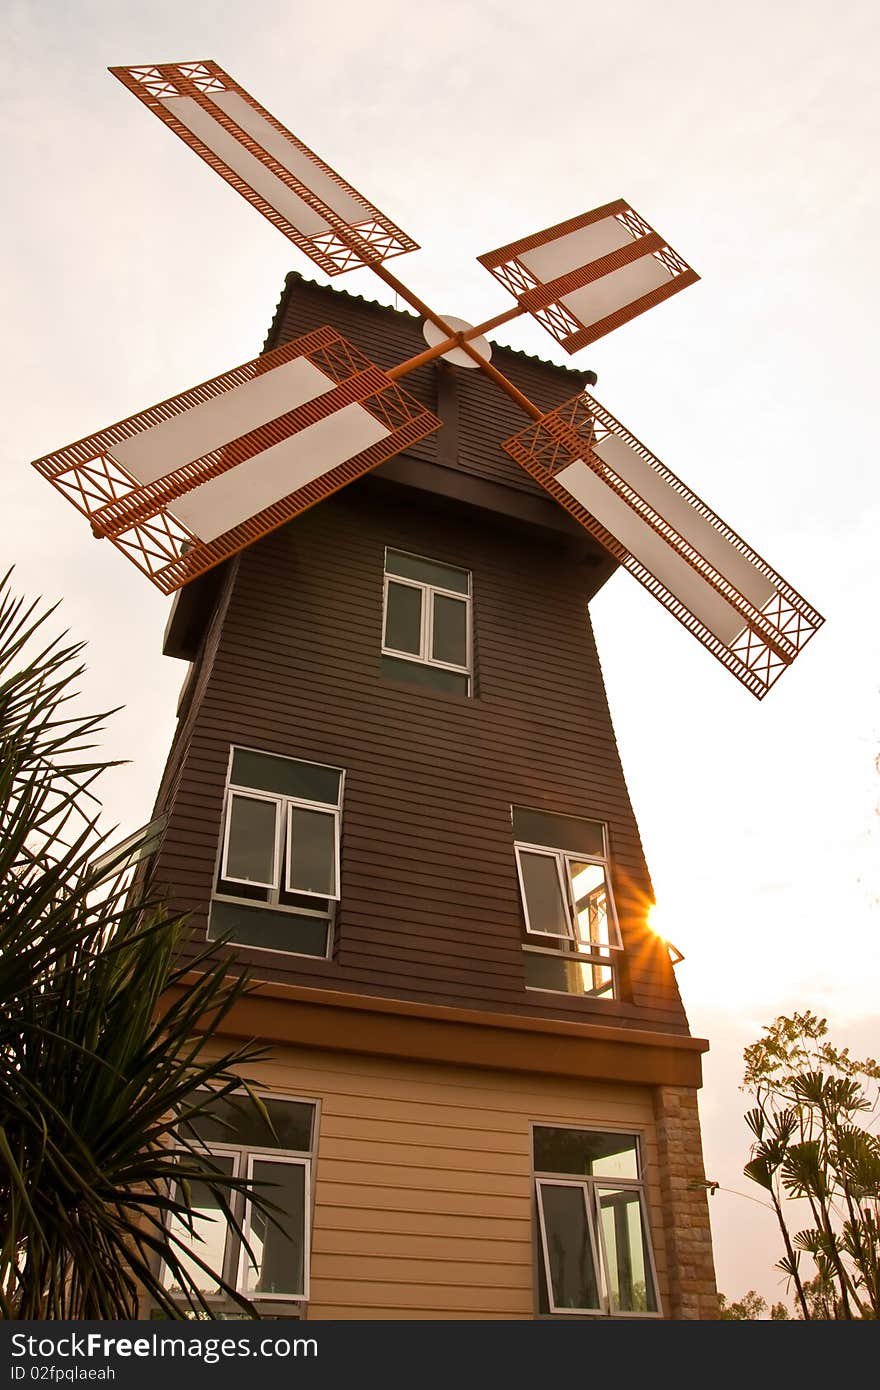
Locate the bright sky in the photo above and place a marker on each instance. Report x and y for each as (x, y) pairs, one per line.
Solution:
(747, 135)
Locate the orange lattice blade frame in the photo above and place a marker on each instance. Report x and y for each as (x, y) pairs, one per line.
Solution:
(337, 227)
(705, 574)
(585, 277)
(182, 486)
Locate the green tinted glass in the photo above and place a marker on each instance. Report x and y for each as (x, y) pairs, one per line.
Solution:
(266, 773)
(250, 852)
(449, 637)
(417, 673)
(240, 1122)
(546, 908)
(585, 1153)
(558, 832)
(268, 930)
(403, 619)
(571, 1273)
(566, 976)
(276, 1261)
(427, 571)
(312, 863)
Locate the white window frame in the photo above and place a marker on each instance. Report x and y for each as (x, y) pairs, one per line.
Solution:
(564, 859)
(241, 1154)
(594, 1223)
(281, 822)
(602, 1305)
(283, 805)
(324, 810)
(277, 1156)
(249, 795)
(428, 592)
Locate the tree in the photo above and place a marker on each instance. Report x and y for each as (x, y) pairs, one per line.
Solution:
(811, 1149)
(750, 1307)
(102, 1054)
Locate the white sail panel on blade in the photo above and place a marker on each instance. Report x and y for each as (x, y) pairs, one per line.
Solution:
(187, 483)
(577, 248)
(642, 541)
(291, 186)
(261, 179)
(669, 504)
(211, 425)
(585, 277)
(223, 502)
(615, 291)
(693, 563)
(352, 210)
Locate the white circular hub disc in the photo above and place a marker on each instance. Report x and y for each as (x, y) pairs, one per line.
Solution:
(457, 356)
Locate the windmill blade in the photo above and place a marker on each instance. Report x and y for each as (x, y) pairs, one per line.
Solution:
(587, 276)
(182, 486)
(686, 556)
(280, 176)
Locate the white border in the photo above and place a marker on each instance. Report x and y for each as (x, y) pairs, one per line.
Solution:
(238, 1151)
(290, 801)
(598, 1269)
(278, 1157)
(247, 794)
(429, 592)
(640, 1184)
(329, 917)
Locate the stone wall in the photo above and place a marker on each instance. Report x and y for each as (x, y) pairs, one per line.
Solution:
(692, 1290)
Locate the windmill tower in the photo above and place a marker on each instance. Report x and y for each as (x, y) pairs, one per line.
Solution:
(394, 786)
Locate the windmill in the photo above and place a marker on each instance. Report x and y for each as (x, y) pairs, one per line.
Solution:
(187, 483)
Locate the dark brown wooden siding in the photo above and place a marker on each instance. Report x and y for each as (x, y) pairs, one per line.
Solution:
(482, 414)
(430, 908)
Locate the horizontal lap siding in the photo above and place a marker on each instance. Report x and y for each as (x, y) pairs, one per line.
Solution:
(430, 903)
(423, 1195)
(485, 415)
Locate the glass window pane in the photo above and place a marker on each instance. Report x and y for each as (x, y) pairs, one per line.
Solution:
(431, 677)
(205, 1235)
(558, 832)
(427, 571)
(597, 981)
(571, 1273)
(585, 1152)
(270, 931)
(568, 976)
(266, 773)
(630, 1285)
(591, 902)
(449, 639)
(403, 619)
(250, 853)
(546, 910)
(312, 852)
(276, 1264)
(240, 1122)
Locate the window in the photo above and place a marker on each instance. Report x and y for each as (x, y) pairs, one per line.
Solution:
(594, 1248)
(278, 868)
(426, 623)
(275, 1270)
(571, 928)
(133, 850)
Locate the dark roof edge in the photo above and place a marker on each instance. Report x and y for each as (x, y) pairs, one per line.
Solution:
(294, 278)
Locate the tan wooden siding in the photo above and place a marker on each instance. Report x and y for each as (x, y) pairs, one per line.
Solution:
(423, 1195)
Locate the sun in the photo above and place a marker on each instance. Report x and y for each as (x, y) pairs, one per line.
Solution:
(657, 923)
